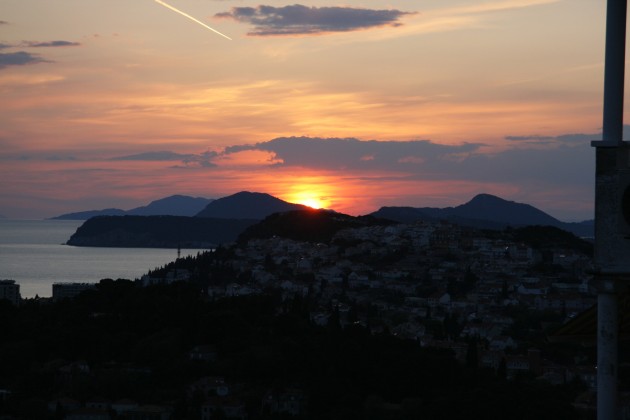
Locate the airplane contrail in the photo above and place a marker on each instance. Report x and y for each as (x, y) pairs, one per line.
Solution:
(191, 18)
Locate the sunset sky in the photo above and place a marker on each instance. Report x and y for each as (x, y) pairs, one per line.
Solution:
(352, 105)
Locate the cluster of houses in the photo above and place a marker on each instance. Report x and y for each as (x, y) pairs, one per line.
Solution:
(414, 275)
(216, 398)
(400, 279)
(103, 409)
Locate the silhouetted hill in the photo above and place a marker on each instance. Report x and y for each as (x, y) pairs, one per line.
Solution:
(550, 238)
(175, 205)
(585, 229)
(307, 225)
(490, 207)
(84, 215)
(486, 211)
(402, 214)
(230, 216)
(248, 205)
(220, 222)
(157, 231)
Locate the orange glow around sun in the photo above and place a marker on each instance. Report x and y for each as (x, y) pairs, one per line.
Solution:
(310, 199)
(312, 195)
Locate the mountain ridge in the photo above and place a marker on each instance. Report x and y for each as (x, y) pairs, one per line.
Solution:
(173, 205)
(248, 205)
(213, 225)
(485, 211)
(224, 219)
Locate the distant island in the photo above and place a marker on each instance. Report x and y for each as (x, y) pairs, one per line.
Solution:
(158, 232)
(222, 220)
(486, 211)
(175, 205)
(248, 205)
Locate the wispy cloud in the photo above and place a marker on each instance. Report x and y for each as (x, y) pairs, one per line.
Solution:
(46, 44)
(499, 6)
(530, 138)
(61, 158)
(22, 58)
(202, 160)
(19, 58)
(303, 20)
(160, 156)
(15, 80)
(461, 17)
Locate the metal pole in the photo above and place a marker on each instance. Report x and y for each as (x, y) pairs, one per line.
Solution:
(606, 207)
(614, 70)
(607, 357)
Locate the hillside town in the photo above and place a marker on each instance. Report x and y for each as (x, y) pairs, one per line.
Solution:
(436, 283)
(492, 299)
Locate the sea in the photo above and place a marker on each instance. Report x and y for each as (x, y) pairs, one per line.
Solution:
(34, 254)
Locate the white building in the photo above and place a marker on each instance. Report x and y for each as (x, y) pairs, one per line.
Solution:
(10, 291)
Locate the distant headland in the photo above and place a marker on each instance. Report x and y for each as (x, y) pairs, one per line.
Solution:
(201, 223)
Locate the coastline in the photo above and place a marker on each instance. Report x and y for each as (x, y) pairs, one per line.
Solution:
(34, 254)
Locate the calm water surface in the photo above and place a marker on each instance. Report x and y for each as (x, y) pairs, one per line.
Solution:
(32, 252)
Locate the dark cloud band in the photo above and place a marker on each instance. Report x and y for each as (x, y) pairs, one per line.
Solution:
(302, 20)
(161, 156)
(52, 44)
(20, 58)
(535, 138)
(567, 160)
(564, 161)
(187, 160)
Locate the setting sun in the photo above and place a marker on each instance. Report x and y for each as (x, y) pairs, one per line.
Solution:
(312, 202)
(310, 198)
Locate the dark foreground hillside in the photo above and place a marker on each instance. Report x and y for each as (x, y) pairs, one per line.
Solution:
(308, 225)
(157, 231)
(122, 341)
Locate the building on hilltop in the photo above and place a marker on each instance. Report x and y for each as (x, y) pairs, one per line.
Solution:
(69, 290)
(10, 291)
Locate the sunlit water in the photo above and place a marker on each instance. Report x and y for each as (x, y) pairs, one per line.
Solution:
(32, 252)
